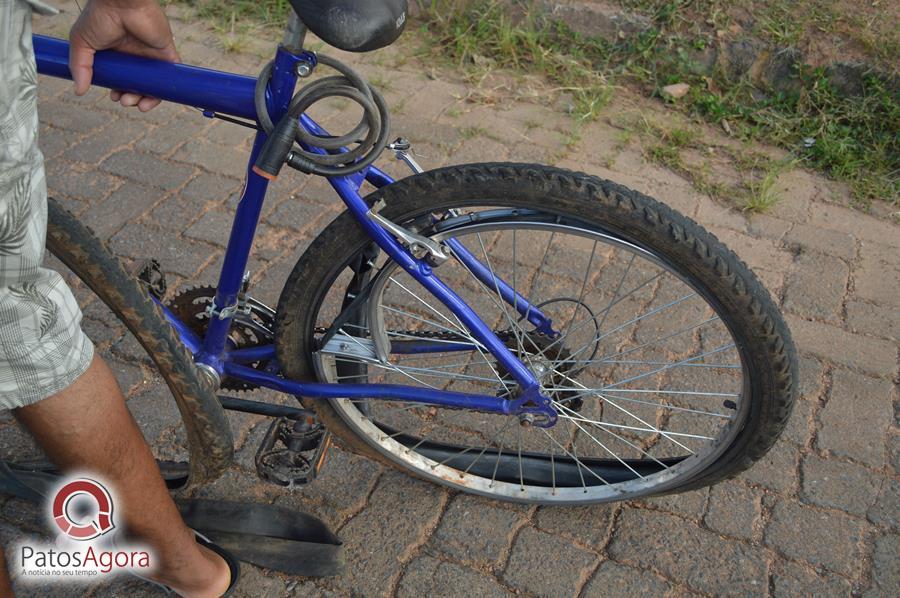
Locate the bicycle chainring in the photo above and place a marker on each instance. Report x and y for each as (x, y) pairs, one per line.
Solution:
(252, 328)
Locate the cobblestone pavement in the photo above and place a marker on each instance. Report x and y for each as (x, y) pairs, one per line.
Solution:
(818, 516)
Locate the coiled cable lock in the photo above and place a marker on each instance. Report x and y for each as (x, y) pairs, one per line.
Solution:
(370, 135)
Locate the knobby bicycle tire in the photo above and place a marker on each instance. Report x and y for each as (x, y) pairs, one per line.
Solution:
(641, 219)
(209, 438)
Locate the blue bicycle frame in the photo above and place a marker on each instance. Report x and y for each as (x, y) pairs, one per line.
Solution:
(216, 92)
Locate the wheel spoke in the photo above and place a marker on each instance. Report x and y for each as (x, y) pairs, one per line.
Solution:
(637, 372)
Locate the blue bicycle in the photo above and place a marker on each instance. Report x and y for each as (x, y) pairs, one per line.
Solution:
(511, 330)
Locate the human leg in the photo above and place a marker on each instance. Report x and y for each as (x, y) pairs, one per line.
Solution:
(88, 427)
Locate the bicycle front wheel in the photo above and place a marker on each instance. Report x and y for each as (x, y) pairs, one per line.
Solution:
(669, 366)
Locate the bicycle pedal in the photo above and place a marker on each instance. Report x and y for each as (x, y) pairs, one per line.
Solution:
(292, 452)
(151, 276)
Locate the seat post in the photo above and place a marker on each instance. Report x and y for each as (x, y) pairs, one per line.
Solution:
(294, 33)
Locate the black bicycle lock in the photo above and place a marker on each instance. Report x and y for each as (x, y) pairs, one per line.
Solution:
(275, 150)
(328, 155)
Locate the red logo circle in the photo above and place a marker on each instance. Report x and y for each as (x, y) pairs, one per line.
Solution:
(78, 529)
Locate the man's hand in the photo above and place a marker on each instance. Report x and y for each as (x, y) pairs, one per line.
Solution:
(131, 26)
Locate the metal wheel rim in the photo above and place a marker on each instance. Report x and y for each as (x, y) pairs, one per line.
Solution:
(673, 477)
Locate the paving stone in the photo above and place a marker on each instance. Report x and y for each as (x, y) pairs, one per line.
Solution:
(812, 381)
(213, 227)
(211, 187)
(25, 514)
(688, 504)
(763, 225)
(183, 209)
(65, 115)
(799, 188)
(147, 169)
(479, 149)
(798, 426)
(712, 213)
(613, 579)
(777, 470)
(885, 572)
(652, 540)
(733, 509)
(113, 136)
(340, 490)
(854, 222)
(793, 579)
(164, 139)
(88, 187)
(155, 412)
(869, 354)
(176, 213)
(298, 215)
(126, 204)
(213, 157)
(839, 485)
(176, 255)
(433, 98)
(398, 516)
(125, 585)
(588, 525)
(268, 287)
(877, 278)
(472, 530)
(129, 376)
(894, 451)
(427, 576)
(254, 583)
(817, 286)
(307, 589)
(419, 131)
(824, 538)
(831, 242)
(886, 510)
(229, 135)
(50, 87)
(509, 132)
(867, 318)
(54, 142)
(855, 417)
(535, 553)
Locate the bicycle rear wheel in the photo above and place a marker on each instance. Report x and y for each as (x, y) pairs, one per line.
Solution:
(672, 368)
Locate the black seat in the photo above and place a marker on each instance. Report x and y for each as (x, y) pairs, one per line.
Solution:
(353, 25)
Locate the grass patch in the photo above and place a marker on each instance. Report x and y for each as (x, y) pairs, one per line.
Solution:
(265, 13)
(762, 194)
(853, 139)
(483, 36)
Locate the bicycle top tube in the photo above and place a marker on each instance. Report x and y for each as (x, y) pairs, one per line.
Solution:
(195, 86)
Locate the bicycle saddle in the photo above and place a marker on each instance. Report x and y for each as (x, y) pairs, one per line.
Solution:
(353, 25)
